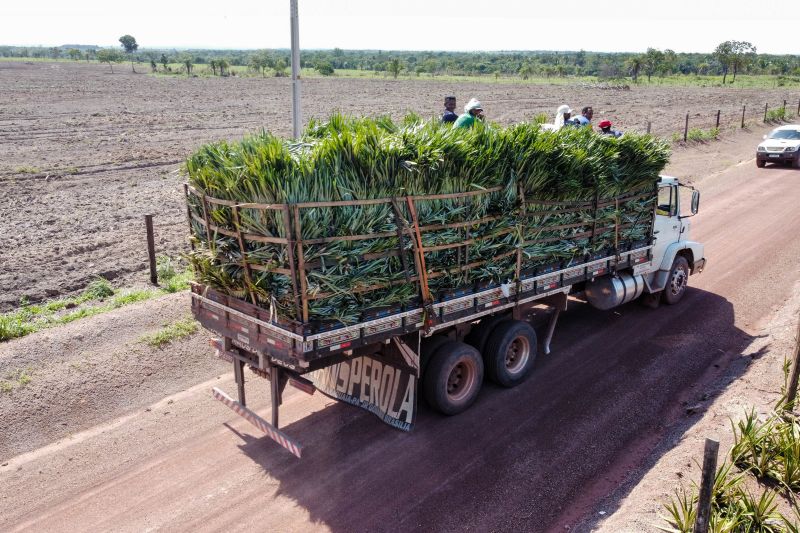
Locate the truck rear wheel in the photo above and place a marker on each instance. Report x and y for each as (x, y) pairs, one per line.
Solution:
(677, 281)
(510, 353)
(453, 378)
(480, 333)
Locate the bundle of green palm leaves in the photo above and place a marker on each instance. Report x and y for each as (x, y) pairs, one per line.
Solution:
(555, 196)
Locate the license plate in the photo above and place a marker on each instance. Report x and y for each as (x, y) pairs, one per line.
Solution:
(774, 155)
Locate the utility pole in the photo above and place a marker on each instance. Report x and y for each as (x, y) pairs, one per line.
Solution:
(297, 116)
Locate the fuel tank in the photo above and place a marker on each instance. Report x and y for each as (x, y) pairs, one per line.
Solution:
(610, 291)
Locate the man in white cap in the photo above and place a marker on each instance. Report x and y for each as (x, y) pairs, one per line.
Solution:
(473, 110)
(563, 114)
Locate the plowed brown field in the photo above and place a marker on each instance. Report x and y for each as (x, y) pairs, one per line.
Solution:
(85, 153)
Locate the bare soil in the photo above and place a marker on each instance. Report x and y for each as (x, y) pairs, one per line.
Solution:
(85, 154)
(112, 434)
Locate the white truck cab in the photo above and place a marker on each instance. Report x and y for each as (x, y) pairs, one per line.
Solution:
(673, 256)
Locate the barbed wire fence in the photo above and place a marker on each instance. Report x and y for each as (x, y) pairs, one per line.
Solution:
(726, 118)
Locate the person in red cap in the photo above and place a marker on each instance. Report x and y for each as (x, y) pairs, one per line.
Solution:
(605, 129)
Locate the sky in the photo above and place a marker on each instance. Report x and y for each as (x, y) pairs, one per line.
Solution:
(464, 25)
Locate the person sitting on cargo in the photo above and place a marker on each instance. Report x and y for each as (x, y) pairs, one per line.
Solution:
(449, 116)
(563, 114)
(585, 118)
(472, 111)
(605, 129)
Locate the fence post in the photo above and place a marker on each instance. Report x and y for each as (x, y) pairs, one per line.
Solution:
(743, 108)
(798, 108)
(791, 394)
(706, 486)
(765, 112)
(151, 249)
(686, 129)
(650, 123)
(718, 111)
(784, 106)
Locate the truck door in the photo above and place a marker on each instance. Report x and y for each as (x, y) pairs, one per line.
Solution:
(667, 228)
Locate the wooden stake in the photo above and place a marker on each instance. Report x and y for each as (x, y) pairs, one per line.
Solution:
(791, 394)
(766, 106)
(650, 123)
(743, 108)
(686, 129)
(718, 112)
(151, 249)
(706, 486)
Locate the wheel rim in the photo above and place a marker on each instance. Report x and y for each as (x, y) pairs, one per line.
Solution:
(517, 354)
(678, 282)
(461, 380)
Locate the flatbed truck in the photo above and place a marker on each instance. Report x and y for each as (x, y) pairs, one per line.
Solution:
(443, 351)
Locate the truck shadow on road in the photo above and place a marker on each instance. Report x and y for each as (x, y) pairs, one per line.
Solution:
(583, 429)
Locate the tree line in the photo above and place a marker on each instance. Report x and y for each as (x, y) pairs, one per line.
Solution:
(730, 57)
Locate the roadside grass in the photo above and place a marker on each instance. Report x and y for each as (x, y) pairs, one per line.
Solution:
(697, 135)
(743, 81)
(171, 332)
(97, 298)
(16, 379)
(27, 170)
(777, 115)
(766, 450)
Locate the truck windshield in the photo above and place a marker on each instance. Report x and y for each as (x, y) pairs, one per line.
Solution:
(785, 134)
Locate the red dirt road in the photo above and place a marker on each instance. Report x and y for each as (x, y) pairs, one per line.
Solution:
(534, 458)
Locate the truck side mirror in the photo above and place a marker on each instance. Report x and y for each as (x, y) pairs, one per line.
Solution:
(695, 202)
(764, 137)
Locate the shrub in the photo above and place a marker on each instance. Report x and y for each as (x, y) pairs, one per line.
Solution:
(777, 115)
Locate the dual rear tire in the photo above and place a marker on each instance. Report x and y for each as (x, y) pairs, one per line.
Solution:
(454, 372)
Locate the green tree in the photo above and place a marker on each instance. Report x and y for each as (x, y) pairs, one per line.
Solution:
(394, 67)
(129, 44)
(260, 61)
(280, 68)
(187, 61)
(110, 56)
(222, 64)
(74, 54)
(55, 52)
(668, 63)
(723, 53)
(325, 68)
(743, 54)
(652, 62)
(525, 71)
(164, 61)
(634, 66)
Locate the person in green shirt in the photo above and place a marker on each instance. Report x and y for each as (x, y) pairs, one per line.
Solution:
(472, 111)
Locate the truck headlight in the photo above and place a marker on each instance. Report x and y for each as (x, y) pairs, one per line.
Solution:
(762, 149)
(790, 149)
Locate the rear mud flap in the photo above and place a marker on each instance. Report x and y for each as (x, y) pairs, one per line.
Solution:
(385, 384)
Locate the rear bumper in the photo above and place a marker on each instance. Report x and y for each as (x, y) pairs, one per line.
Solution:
(777, 156)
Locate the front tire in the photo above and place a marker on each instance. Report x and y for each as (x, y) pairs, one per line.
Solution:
(510, 353)
(677, 281)
(760, 163)
(453, 378)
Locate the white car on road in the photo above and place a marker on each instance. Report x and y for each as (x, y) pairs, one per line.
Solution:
(782, 145)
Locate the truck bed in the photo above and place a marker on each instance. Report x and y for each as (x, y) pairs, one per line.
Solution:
(254, 330)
